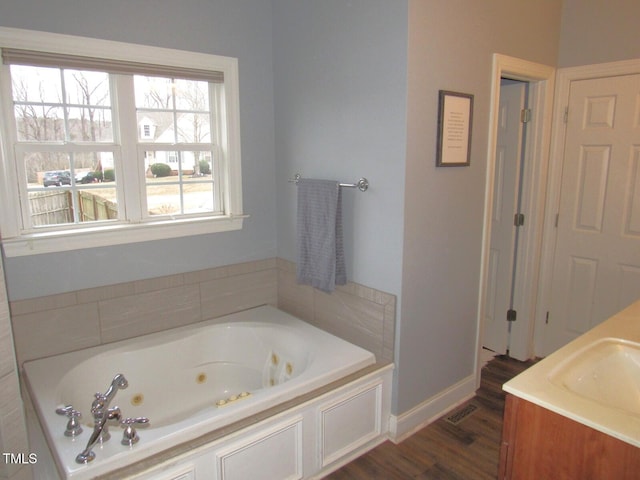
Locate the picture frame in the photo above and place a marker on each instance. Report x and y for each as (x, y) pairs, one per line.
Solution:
(455, 118)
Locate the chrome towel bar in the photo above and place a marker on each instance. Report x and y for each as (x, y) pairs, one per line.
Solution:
(362, 184)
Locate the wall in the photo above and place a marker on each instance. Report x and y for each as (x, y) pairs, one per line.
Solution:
(238, 28)
(450, 47)
(340, 104)
(599, 31)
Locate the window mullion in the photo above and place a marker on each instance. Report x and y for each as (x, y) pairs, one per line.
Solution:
(10, 191)
(27, 224)
(130, 180)
(218, 136)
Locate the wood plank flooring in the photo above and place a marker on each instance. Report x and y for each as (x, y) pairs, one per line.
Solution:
(468, 450)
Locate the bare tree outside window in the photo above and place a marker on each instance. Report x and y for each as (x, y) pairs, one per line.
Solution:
(56, 107)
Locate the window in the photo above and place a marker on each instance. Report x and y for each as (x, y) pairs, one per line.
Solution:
(96, 146)
(63, 121)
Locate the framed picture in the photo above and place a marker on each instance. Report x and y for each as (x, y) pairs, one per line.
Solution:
(455, 116)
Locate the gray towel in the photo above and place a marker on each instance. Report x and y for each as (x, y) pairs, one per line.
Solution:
(320, 245)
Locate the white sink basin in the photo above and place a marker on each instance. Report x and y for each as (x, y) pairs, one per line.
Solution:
(606, 371)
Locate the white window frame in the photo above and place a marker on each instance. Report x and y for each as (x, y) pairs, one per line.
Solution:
(18, 242)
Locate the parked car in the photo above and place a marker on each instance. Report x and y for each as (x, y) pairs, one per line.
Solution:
(87, 177)
(58, 177)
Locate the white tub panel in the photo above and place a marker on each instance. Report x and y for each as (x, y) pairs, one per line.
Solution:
(270, 454)
(350, 422)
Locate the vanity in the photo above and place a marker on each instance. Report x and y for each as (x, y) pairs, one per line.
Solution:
(576, 413)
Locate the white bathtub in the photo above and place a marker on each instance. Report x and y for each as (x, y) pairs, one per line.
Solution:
(187, 381)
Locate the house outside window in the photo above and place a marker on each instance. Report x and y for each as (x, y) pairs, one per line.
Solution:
(96, 146)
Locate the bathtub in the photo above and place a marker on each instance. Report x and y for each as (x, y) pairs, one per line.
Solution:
(187, 381)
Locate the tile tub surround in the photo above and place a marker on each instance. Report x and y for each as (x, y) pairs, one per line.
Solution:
(361, 315)
(13, 431)
(71, 321)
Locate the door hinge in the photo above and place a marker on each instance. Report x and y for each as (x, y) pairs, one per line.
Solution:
(518, 219)
(546, 320)
(557, 219)
(511, 315)
(566, 114)
(525, 115)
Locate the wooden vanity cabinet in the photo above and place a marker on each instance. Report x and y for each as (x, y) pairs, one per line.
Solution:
(540, 444)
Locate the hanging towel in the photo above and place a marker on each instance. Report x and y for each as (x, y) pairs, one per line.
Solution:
(319, 231)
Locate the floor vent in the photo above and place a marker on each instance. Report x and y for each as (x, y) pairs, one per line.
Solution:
(459, 415)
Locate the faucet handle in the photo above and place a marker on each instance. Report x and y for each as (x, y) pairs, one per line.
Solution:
(73, 425)
(66, 410)
(131, 421)
(130, 436)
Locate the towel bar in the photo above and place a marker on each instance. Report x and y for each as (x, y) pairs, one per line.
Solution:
(362, 184)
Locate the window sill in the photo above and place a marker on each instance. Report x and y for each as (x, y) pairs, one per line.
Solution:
(103, 236)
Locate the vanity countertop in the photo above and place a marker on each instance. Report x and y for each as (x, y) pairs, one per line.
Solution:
(536, 386)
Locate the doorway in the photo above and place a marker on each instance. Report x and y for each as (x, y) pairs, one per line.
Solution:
(532, 178)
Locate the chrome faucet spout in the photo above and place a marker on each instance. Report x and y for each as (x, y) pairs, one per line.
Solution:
(99, 434)
(102, 412)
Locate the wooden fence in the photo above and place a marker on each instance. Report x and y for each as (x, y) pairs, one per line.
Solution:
(51, 208)
(93, 207)
(56, 207)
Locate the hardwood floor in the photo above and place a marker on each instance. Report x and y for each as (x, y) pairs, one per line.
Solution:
(468, 450)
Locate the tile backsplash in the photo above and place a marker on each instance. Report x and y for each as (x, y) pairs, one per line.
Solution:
(61, 323)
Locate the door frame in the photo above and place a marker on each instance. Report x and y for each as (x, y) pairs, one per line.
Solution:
(541, 79)
(563, 89)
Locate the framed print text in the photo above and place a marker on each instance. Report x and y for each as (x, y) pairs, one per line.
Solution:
(455, 116)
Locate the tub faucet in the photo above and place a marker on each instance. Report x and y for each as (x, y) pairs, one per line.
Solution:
(101, 414)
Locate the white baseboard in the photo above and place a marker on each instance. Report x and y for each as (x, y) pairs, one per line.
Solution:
(406, 424)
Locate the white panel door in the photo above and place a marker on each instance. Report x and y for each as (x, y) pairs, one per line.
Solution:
(597, 259)
(506, 187)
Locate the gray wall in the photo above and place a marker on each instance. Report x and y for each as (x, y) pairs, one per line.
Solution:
(599, 31)
(450, 47)
(238, 28)
(340, 102)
